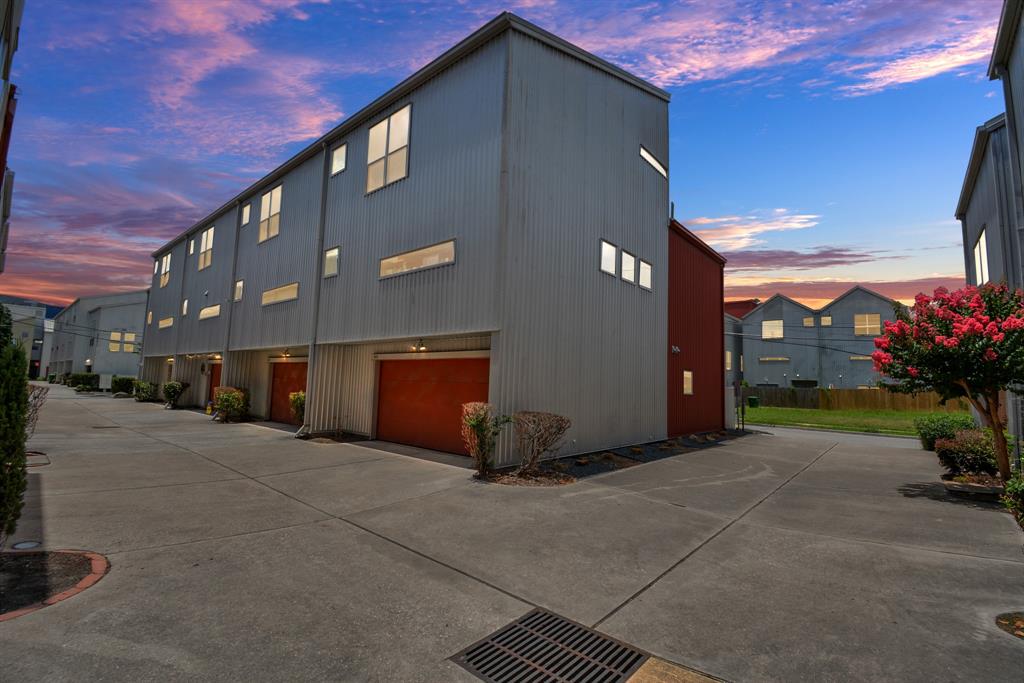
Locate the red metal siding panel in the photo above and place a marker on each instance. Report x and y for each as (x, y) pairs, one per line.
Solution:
(696, 328)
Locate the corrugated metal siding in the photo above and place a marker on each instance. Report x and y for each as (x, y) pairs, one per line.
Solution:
(207, 287)
(695, 326)
(573, 340)
(165, 302)
(347, 375)
(734, 343)
(451, 192)
(156, 369)
(800, 345)
(1015, 74)
(292, 256)
(990, 207)
(189, 370)
(839, 341)
(250, 370)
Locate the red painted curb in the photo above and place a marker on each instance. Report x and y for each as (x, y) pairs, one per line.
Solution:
(100, 567)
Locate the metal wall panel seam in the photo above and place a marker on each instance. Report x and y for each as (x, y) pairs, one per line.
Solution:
(311, 383)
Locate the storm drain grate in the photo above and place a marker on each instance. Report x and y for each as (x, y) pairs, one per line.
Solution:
(542, 646)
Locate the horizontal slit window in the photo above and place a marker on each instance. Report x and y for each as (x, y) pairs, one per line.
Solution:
(774, 359)
(209, 312)
(165, 322)
(418, 259)
(655, 164)
(281, 294)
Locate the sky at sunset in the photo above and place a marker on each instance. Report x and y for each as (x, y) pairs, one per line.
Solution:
(815, 144)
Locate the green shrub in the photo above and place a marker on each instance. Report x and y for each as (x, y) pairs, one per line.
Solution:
(297, 399)
(480, 431)
(122, 385)
(1013, 497)
(51, 378)
(89, 380)
(13, 413)
(63, 379)
(971, 451)
(231, 403)
(941, 426)
(173, 391)
(145, 391)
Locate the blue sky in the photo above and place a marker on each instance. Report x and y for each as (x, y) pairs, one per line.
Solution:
(817, 144)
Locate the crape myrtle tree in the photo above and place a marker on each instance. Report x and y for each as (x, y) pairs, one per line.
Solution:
(963, 344)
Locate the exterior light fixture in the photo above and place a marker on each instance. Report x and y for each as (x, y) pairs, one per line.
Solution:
(287, 353)
(420, 346)
(88, 361)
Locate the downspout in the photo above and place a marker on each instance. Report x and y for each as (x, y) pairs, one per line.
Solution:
(325, 176)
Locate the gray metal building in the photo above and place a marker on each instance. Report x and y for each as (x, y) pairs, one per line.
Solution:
(101, 334)
(493, 228)
(788, 344)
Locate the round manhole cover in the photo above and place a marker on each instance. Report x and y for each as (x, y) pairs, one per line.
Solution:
(1012, 623)
(26, 545)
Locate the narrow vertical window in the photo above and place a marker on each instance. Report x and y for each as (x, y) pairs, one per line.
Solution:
(646, 275)
(981, 259)
(156, 267)
(628, 267)
(270, 214)
(387, 154)
(331, 261)
(165, 269)
(191, 247)
(149, 318)
(608, 252)
(245, 214)
(338, 159)
(239, 284)
(688, 382)
(184, 307)
(206, 248)
(728, 359)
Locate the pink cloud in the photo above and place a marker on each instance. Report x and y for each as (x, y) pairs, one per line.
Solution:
(741, 232)
(786, 259)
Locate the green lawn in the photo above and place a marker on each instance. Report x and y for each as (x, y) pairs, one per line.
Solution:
(878, 421)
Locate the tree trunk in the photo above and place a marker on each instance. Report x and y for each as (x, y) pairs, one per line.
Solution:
(989, 409)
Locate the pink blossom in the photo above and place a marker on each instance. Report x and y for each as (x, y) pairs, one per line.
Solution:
(1012, 323)
(990, 354)
(951, 342)
(913, 372)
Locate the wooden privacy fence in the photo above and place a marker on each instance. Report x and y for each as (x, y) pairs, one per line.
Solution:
(849, 399)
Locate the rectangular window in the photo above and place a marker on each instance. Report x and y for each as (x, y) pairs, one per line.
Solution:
(149, 318)
(608, 252)
(281, 294)
(655, 164)
(184, 307)
(239, 284)
(387, 155)
(270, 214)
(331, 261)
(809, 321)
(338, 158)
(115, 342)
(867, 323)
(687, 382)
(981, 259)
(156, 267)
(646, 275)
(771, 329)
(206, 248)
(774, 359)
(628, 267)
(165, 322)
(191, 247)
(165, 269)
(741, 362)
(428, 257)
(245, 214)
(129, 342)
(860, 357)
(826, 321)
(728, 360)
(209, 312)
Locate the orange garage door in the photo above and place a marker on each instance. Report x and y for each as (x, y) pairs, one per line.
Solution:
(420, 401)
(287, 377)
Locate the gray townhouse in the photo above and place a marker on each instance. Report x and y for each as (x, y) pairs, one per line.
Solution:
(788, 344)
(28, 323)
(101, 334)
(494, 228)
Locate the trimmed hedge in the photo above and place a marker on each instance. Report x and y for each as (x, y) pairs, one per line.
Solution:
(122, 385)
(145, 391)
(941, 426)
(971, 451)
(173, 391)
(13, 416)
(90, 380)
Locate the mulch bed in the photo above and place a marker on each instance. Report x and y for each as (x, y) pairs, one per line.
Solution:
(34, 579)
(545, 477)
(979, 479)
(1012, 622)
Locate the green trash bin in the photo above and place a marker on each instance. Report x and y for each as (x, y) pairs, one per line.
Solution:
(753, 401)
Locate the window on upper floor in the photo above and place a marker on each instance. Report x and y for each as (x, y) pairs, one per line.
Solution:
(209, 312)
(628, 266)
(270, 214)
(981, 259)
(331, 261)
(156, 266)
(165, 323)
(655, 164)
(246, 208)
(728, 360)
(165, 269)
(771, 329)
(191, 247)
(774, 359)
(809, 321)
(339, 156)
(239, 285)
(608, 254)
(867, 324)
(826, 321)
(387, 155)
(688, 382)
(278, 295)
(418, 259)
(149, 318)
(205, 248)
(646, 275)
(114, 346)
(860, 358)
(129, 342)
(184, 307)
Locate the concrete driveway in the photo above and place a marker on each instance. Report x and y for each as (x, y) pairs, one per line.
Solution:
(238, 552)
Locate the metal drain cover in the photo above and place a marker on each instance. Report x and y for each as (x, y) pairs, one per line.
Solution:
(26, 545)
(542, 646)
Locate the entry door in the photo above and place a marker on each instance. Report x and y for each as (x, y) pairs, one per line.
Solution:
(214, 379)
(286, 378)
(419, 402)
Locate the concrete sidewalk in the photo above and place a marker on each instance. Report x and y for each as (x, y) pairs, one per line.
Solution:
(240, 552)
